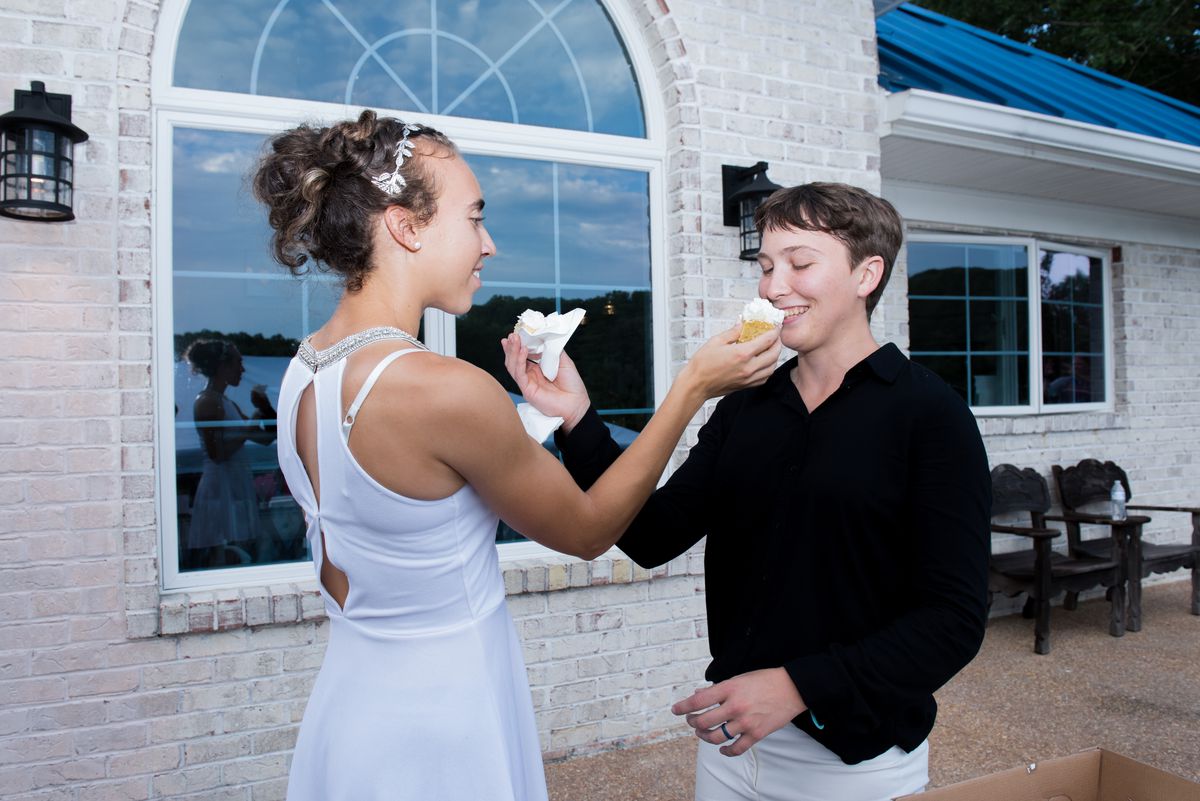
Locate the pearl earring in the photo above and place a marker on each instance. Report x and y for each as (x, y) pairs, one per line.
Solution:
(416, 245)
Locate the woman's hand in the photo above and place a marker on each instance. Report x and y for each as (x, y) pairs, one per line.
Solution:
(722, 365)
(566, 396)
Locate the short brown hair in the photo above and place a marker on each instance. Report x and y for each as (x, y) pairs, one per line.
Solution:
(867, 225)
(316, 185)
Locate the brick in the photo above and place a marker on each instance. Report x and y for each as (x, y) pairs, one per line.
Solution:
(146, 760)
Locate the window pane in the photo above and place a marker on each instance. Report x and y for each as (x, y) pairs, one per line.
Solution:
(234, 506)
(999, 325)
(613, 350)
(951, 369)
(936, 269)
(560, 65)
(550, 222)
(1056, 328)
(937, 325)
(998, 271)
(1001, 380)
(1065, 276)
(217, 226)
(604, 226)
(1089, 329)
(1073, 343)
(1078, 379)
(520, 218)
(978, 341)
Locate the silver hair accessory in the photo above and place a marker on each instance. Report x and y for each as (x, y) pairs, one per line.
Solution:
(393, 183)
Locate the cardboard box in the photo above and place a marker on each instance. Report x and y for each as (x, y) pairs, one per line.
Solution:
(1093, 775)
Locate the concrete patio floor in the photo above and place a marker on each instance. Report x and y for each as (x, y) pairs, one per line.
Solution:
(1138, 695)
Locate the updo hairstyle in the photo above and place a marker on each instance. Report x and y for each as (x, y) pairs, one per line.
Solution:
(207, 355)
(316, 185)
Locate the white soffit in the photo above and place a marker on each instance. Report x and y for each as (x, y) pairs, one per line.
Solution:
(944, 141)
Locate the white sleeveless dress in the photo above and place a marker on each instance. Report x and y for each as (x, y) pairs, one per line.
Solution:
(423, 694)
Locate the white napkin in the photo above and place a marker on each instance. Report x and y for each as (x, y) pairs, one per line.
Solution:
(545, 336)
(537, 425)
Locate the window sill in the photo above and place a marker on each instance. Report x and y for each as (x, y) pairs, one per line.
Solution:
(1047, 422)
(289, 603)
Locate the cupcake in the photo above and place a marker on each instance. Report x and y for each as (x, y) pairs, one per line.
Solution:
(758, 317)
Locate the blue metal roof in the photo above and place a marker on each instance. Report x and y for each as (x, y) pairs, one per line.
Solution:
(919, 49)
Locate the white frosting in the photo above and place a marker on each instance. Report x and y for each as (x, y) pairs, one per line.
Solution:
(532, 321)
(545, 336)
(760, 310)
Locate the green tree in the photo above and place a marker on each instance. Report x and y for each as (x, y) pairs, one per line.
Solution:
(1153, 43)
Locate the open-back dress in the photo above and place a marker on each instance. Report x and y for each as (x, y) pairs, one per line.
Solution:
(423, 693)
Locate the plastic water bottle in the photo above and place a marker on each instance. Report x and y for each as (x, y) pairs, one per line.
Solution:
(1118, 501)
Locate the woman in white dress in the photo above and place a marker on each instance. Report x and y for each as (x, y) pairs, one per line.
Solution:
(402, 459)
(224, 523)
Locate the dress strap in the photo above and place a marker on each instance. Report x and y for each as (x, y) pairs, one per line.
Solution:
(352, 412)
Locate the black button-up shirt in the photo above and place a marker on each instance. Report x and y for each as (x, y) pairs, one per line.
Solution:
(848, 545)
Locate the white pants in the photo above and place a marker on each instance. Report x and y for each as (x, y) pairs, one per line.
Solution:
(788, 765)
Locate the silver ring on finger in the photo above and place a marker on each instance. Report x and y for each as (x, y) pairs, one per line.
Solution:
(725, 731)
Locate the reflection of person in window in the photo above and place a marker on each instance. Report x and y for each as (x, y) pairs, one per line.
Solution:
(846, 508)
(225, 525)
(403, 465)
(1070, 382)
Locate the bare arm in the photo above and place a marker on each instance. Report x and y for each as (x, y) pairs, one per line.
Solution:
(530, 489)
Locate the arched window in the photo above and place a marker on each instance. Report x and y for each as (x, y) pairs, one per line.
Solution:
(542, 97)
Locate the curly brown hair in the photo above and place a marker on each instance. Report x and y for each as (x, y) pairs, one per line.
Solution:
(207, 356)
(316, 185)
(867, 225)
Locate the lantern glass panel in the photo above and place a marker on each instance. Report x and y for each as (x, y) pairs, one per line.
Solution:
(65, 146)
(66, 195)
(43, 190)
(43, 140)
(66, 171)
(12, 188)
(21, 163)
(42, 165)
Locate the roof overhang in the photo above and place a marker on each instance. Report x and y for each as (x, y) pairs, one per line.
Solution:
(938, 140)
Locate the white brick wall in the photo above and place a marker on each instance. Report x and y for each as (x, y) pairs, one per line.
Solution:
(102, 696)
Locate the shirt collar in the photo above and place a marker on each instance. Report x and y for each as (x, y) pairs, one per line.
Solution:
(885, 363)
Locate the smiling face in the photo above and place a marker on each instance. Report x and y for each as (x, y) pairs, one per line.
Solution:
(808, 275)
(455, 239)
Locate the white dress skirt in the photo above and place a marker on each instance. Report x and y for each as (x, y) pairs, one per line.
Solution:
(423, 693)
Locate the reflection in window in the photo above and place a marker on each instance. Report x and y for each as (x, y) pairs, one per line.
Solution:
(1072, 287)
(238, 319)
(968, 318)
(969, 322)
(567, 235)
(556, 64)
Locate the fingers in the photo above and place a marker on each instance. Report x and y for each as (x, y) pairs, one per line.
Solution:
(700, 700)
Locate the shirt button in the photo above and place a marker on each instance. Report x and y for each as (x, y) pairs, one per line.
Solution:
(748, 630)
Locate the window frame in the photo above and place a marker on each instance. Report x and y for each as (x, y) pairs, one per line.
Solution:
(173, 107)
(1032, 245)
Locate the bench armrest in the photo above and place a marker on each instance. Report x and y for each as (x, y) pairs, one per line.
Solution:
(1027, 531)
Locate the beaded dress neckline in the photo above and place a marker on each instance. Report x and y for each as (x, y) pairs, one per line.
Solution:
(319, 359)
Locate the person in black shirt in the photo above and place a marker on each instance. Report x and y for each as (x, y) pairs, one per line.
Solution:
(846, 506)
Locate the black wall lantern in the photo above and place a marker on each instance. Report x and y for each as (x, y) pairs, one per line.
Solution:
(743, 189)
(38, 164)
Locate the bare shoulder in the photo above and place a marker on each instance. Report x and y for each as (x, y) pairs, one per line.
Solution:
(208, 406)
(428, 383)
